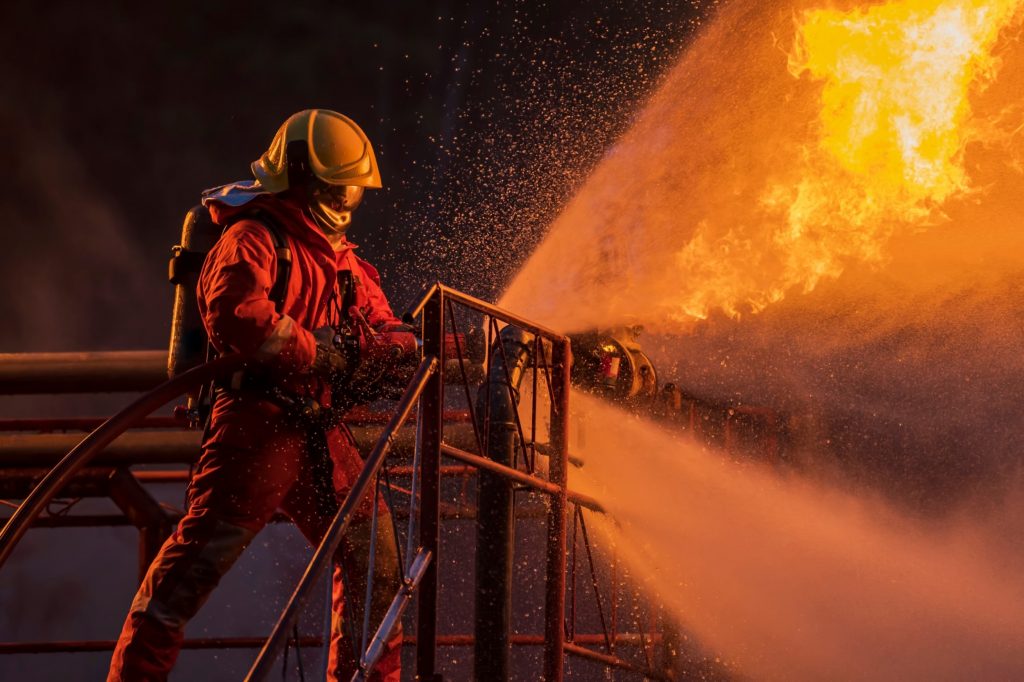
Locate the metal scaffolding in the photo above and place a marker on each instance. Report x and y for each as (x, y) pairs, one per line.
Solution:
(489, 442)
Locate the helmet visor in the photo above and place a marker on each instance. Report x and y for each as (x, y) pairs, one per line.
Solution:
(331, 205)
(337, 197)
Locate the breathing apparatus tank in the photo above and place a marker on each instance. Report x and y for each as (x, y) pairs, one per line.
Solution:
(188, 336)
(189, 343)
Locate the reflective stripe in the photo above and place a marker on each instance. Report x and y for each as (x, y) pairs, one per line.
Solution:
(282, 334)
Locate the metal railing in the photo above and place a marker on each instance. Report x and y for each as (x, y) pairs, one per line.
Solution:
(437, 312)
(550, 358)
(278, 640)
(98, 439)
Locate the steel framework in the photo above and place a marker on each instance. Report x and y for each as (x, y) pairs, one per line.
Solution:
(437, 311)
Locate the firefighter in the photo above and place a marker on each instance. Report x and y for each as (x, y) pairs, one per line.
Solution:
(260, 453)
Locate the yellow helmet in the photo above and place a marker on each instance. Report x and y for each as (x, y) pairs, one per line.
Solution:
(330, 146)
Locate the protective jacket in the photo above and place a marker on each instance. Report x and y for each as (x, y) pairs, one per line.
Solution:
(257, 458)
(242, 267)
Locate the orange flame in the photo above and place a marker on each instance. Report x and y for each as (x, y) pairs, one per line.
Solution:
(893, 127)
(790, 179)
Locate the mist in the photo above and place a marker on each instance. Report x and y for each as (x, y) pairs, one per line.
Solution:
(876, 310)
(891, 320)
(786, 579)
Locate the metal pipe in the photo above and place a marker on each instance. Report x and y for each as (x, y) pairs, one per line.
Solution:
(339, 524)
(447, 512)
(455, 640)
(82, 521)
(48, 424)
(394, 615)
(163, 475)
(92, 645)
(90, 372)
(106, 372)
(38, 450)
(495, 527)
(614, 662)
(17, 484)
(182, 475)
(538, 484)
(357, 416)
(558, 466)
(19, 450)
(99, 439)
(430, 434)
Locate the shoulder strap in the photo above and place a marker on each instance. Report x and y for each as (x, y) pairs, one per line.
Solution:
(281, 248)
(284, 259)
(346, 290)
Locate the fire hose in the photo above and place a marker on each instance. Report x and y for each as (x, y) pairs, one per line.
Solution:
(80, 456)
(370, 357)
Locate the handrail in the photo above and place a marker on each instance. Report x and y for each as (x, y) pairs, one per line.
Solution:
(416, 309)
(538, 484)
(393, 617)
(278, 639)
(486, 308)
(33, 505)
(431, 307)
(421, 573)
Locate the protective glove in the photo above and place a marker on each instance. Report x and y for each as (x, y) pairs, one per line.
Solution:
(325, 335)
(403, 359)
(387, 362)
(398, 327)
(329, 362)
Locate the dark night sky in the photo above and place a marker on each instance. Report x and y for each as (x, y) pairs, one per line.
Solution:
(485, 118)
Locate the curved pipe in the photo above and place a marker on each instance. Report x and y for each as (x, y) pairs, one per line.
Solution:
(101, 437)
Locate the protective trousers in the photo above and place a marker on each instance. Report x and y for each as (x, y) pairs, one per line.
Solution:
(253, 464)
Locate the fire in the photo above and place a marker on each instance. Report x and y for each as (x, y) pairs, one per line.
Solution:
(769, 171)
(897, 77)
(895, 121)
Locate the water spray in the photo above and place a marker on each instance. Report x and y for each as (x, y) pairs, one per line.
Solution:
(807, 205)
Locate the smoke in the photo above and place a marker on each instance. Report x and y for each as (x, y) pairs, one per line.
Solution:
(785, 579)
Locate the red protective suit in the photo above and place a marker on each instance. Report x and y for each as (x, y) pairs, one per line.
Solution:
(255, 458)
